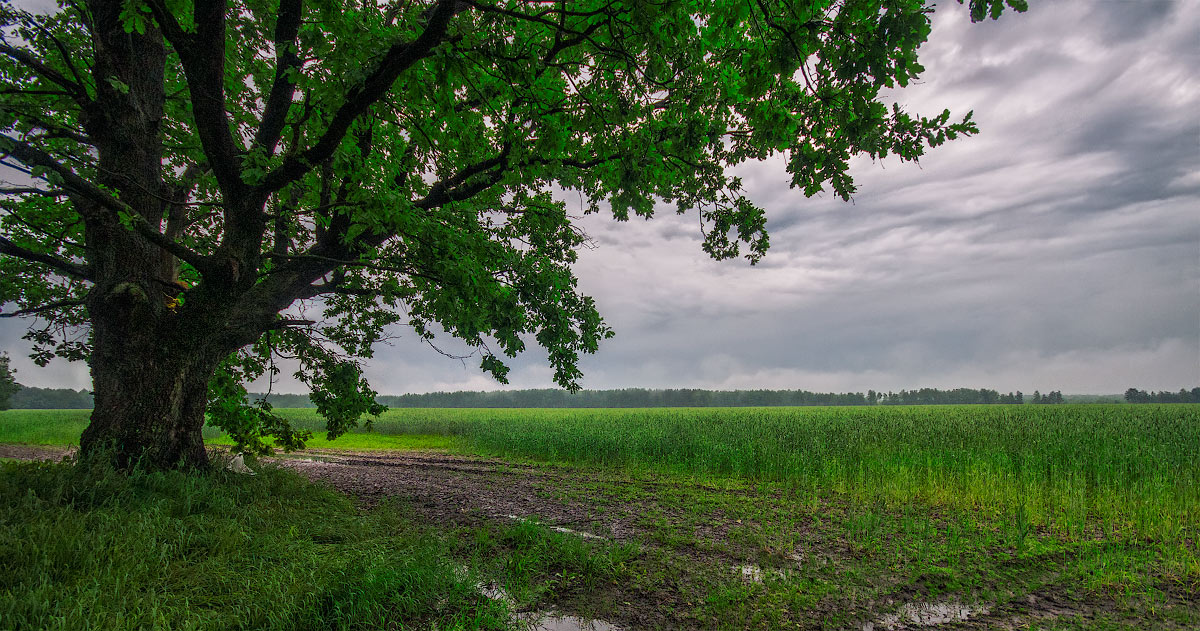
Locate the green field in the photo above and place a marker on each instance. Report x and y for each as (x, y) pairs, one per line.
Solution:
(1093, 507)
(1076, 469)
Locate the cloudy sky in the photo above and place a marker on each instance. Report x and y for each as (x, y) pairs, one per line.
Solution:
(1057, 250)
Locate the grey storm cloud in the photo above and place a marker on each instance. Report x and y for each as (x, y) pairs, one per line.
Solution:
(1058, 249)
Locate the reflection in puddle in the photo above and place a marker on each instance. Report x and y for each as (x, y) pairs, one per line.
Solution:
(926, 615)
(540, 620)
(551, 621)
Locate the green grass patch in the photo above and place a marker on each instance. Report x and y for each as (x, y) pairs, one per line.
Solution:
(95, 549)
(361, 441)
(1081, 470)
(43, 427)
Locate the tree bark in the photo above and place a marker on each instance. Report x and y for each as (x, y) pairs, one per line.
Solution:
(149, 373)
(149, 414)
(150, 379)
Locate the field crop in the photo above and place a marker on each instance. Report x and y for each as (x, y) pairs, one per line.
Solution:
(1076, 469)
(1073, 468)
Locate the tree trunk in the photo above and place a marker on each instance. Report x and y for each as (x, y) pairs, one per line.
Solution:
(150, 378)
(149, 415)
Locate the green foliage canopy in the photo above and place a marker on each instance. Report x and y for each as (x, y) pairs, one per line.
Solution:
(404, 162)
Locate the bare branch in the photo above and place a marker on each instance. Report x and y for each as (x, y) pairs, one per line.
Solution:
(59, 304)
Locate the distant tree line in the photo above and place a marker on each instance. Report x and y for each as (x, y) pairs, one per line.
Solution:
(623, 398)
(1133, 395)
(8, 385)
(642, 397)
(27, 398)
(64, 398)
(1054, 396)
(934, 396)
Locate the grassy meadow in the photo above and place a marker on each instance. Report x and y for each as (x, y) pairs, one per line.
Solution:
(1094, 504)
(1076, 469)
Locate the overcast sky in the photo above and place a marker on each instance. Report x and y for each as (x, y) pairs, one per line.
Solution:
(1057, 250)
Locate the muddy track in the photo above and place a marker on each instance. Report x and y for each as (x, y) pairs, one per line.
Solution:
(456, 489)
(35, 452)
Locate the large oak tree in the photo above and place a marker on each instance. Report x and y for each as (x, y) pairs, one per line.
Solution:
(185, 174)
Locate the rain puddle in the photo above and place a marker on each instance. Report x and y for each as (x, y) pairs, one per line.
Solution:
(552, 621)
(926, 615)
(543, 620)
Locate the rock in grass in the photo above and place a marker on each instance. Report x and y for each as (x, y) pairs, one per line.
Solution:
(238, 465)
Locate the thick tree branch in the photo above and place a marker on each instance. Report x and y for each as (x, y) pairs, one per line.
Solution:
(286, 322)
(204, 68)
(33, 156)
(287, 27)
(455, 188)
(73, 270)
(26, 190)
(398, 58)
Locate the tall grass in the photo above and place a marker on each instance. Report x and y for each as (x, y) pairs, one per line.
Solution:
(1072, 467)
(1132, 469)
(86, 548)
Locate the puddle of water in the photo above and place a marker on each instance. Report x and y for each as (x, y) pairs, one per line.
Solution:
(552, 621)
(927, 615)
(539, 620)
